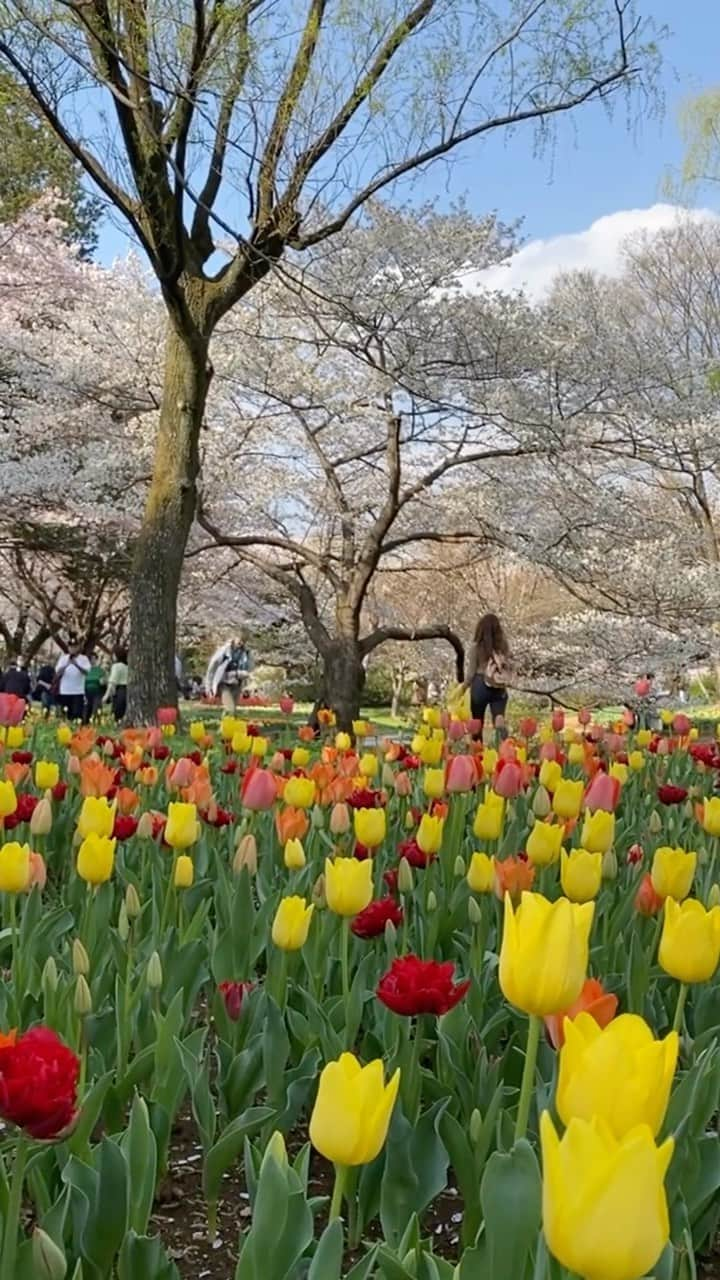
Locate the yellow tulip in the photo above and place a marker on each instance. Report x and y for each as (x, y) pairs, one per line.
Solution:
(432, 717)
(292, 923)
(489, 761)
(605, 1213)
(228, 728)
(619, 771)
(619, 1073)
(168, 731)
(14, 868)
(343, 741)
(545, 733)
(241, 743)
(368, 765)
(370, 827)
(294, 855)
(96, 858)
(490, 817)
(550, 774)
(576, 753)
(711, 816)
(348, 885)
(259, 746)
(666, 716)
(184, 872)
(598, 831)
(636, 760)
(544, 843)
(96, 815)
(568, 798)
(8, 799)
(430, 833)
(544, 953)
(481, 873)
(643, 737)
(182, 827)
(64, 735)
(197, 730)
(300, 758)
(694, 733)
(352, 1111)
(47, 775)
(361, 728)
(431, 751)
(690, 942)
(581, 874)
(434, 783)
(673, 871)
(299, 793)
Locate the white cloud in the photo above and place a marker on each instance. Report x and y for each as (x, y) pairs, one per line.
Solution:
(598, 248)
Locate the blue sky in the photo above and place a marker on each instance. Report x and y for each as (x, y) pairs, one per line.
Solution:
(598, 165)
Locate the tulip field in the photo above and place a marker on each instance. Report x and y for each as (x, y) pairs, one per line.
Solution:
(279, 1006)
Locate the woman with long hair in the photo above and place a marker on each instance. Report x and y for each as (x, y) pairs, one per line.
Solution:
(488, 672)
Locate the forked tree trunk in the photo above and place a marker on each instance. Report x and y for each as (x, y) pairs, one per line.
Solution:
(160, 548)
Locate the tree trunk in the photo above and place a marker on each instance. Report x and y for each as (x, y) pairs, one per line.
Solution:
(343, 680)
(169, 512)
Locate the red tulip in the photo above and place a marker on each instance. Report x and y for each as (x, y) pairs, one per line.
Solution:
(233, 994)
(509, 779)
(371, 922)
(286, 705)
(558, 720)
(24, 810)
(681, 724)
(642, 687)
(461, 774)
(38, 1083)
(528, 727)
(635, 854)
(125, 826)
(411, 851)
(167, 715)
(258, 790)
(364, 798)
(584, 716)
(668, 794)
(12, 708)
(647, 901)
(413, 986)
(593, 999)
(603, 793)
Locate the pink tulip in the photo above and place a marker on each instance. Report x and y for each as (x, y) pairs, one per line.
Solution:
(642, 687)
(277, 763)
(603, 793)
(615, 743)
(528, 727)
(558, 720)
(403, 783)
(181, 773)
(584, 716)
(73, 765)
(456, 730)
(664, 747)
(509, 780)
(461, 774)
(286, 705)
(12, 708)
(258, 790)
(681, 724)
(38, 872)
(548, 751)
(472, 727)
(154, 738)
(166, 715)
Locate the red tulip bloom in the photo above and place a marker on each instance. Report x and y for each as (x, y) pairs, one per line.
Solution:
(413, 986)
(22, 757)
(647, 901)
(411, 851)
(371, 922)
(230, 766)
(161, 752)
(593, 999)
(23, 813)
(668, 794)
(59, 791)
(391, 880)
(38, 1082)
(125, 826)
(509, 779)
(635, 854)
(257, 789)
(233, 994)
(221, 817)
(12, 708)
(364, 798)
(166, 715)
(603, 793)
(361, 852)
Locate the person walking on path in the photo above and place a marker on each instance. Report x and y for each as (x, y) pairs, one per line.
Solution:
(70, 672)
(16, 679)
(95, 685)
(228, 671)
(116, 692)
(488, 673)
(44, 687)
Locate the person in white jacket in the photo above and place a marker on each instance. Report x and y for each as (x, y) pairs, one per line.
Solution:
(228, 671)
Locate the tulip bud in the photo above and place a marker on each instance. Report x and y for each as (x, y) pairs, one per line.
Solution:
(80, 959)
(474, 911)
(432, 902)
(688, 810)
(541, 803)
(459, 867)
(317, 818)
(123, 923)
(48, 1260)
(409, 820)
(609, 865)
(318, 893)
(276, 1150)
(403, 784)
(73, 764)
(390, 939)
(655, 823)
(339, 819)
(132, 902)
(714, 896)
(41, 818)
(703, 856)
(82, 1002)
(405, 880)
(154, 973)
(50, 975)
(245, 854)
(476, 1124)
(145, 827)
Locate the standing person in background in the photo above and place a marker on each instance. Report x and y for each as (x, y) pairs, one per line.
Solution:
(228, 671)
(44, 687)
(95, 685)
(117, 684)
(70, 672)
(489, 671)
(16, 679)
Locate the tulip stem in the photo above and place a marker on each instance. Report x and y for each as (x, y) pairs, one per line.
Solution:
(341, 1173)
(680, 1007)
(12, 1218)
(528, 1078)
(165, 918)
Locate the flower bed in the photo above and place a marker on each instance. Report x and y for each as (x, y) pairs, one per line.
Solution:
(286, 1008)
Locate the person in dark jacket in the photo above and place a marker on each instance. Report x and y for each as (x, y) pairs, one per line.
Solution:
(16, 679)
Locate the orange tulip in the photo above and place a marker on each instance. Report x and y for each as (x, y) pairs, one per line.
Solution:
(306, 733)
(16, 773)
(291, 824)
(647, 901)
(135, 739)
(96, 778)
(593, 999)
(200, 790)
(148, 776)
(82, 742)
(38, 872)
(513, 876)
(127, 800)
